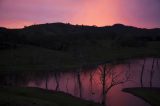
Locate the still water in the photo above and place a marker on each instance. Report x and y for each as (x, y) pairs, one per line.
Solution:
(102, 84)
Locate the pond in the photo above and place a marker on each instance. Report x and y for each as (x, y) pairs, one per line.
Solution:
(102, 84)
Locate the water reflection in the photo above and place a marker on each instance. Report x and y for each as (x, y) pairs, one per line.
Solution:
(102, 84)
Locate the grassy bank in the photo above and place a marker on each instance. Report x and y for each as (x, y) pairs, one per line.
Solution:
(10, 96)
(32, 58)
(150, 95)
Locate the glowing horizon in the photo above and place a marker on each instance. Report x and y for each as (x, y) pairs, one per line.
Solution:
(139, 13)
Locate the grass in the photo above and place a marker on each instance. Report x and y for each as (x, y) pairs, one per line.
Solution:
(33, 58)
(150, 95)
(14, 96)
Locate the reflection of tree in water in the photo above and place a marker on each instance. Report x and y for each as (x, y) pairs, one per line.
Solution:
(46, 82)
(91, 74)
(154, 67)
(142, 72)
(157, 63)
(40, 77)
(110, 78)
(106, 75)
(67, 84)
(152, 72)
(79, 82)
(57, 78)
(75, 84)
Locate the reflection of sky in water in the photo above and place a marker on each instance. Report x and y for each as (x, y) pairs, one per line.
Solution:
(88, 83)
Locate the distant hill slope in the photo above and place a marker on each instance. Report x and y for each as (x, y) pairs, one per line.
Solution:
(59, 45)
(60, 36)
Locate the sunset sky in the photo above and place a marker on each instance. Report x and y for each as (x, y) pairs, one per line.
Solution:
(20, 13)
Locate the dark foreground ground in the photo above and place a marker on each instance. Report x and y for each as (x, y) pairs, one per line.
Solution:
(150, 95)
(13, 96)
